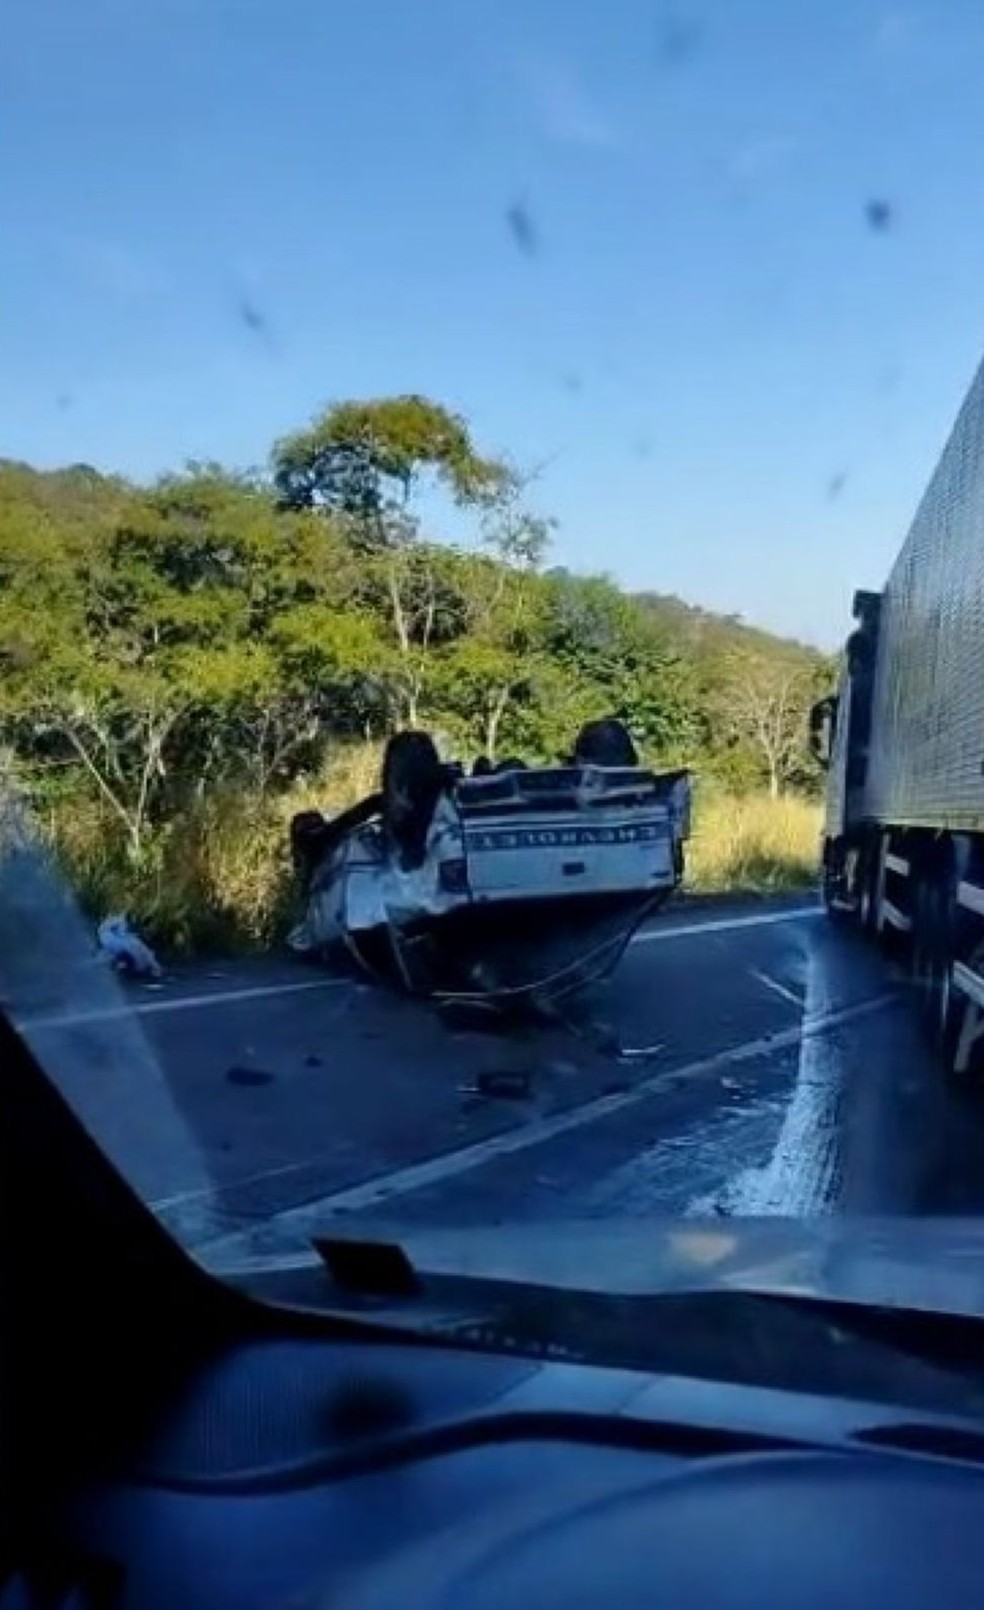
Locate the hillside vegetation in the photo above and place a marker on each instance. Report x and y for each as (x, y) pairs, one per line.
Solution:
(185, 664)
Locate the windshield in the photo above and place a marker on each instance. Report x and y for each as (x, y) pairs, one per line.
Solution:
(491, 617)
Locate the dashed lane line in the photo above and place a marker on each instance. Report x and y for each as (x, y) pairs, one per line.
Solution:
(777, 987)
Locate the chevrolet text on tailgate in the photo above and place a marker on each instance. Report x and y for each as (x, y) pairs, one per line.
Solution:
(536, 838)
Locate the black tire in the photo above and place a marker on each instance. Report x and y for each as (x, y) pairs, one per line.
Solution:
(951, 1031)
(867, 888)
(933, 952)
(313, 837)
(922, 956)
(413, 779)
(948, 1009)
(832, 884)
(605, 743)
(308, 835)
(829, 894)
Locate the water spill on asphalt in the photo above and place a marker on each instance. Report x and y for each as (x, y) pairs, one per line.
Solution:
(664, 1177)
(802, 1175)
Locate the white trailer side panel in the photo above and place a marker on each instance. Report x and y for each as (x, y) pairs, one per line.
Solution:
(926, 765)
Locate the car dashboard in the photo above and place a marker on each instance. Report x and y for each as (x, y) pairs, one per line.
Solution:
(169, 1440)
(302, 1472)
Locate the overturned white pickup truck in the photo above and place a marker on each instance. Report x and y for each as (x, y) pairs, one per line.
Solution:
(512, 883)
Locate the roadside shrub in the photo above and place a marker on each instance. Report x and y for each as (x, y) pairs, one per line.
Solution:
(753, 843)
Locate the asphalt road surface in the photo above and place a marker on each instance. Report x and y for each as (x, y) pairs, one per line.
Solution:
(746, 1059)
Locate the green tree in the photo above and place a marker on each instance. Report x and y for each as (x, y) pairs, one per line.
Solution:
(623, 665)
(364, 460)
(492, 664)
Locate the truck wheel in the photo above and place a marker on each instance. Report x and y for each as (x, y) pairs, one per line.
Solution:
(949, 1021)
(961, 1009)
(832, 884)
(605, 743)
(413, 778)
(308, 835)
(829, 894)
(942, 1007)
(867, 881)
(922, 962)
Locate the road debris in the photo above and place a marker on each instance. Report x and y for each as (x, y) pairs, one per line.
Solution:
(127, 952)
(503, 1083)
(238, 1075)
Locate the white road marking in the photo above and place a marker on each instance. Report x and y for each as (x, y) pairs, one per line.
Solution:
(310, 1217)
(722, 925)
(188, 1003)
(179, 1003)
(777, 989)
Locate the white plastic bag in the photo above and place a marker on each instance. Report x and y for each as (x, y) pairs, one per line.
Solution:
(126, 950)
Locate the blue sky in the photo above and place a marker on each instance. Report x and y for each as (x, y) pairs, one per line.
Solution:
(731, 385)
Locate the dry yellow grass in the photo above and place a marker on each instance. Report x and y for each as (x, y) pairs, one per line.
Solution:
(352, 773)
(753, 843)
(216, 879)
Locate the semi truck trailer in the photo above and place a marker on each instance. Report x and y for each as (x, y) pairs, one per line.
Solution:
(903, 743)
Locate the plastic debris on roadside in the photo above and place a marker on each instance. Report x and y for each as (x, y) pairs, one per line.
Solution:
(125, 949)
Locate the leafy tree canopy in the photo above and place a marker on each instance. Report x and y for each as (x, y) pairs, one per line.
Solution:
(217, 630)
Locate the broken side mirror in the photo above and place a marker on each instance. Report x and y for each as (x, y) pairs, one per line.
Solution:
(823, 718)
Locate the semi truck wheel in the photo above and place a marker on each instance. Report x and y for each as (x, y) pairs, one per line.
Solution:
(833, 883)
(867, 876)
(963, 1013)
(934, 936)
(922, 957)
